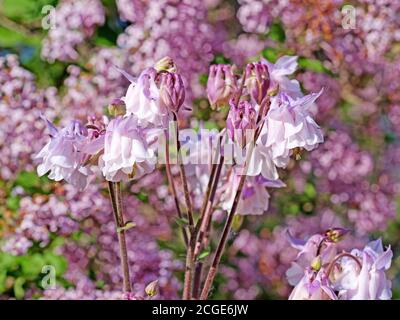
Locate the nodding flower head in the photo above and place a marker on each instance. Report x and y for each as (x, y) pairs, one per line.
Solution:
(172, 90)
(221, 85)
(257, 81)
(241, 119)
(63, 155)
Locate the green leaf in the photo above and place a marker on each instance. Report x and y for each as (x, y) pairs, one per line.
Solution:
(203, 78)
(19, 290)
(270, 54)
(128, 225)
(142, 197)
(28, 180)
(221, 59)
(13, 203)
(31, 265)
(203, 254)
(310, 191)
(312, 65)
(276, 32)
(183, 222)
(3, 277)
(24, 10)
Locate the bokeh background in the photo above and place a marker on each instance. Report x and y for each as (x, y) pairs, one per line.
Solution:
(352, 180)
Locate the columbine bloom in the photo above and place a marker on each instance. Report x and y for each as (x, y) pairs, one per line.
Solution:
(172, 91)
(255, 197)
(289, 125)
(279, 71)
(241, 122)
(126, 151)
(142, 99)
(369, 282)
(313, 286)
(62, 156)
(221, 85)
(257, 81)
(314, 253)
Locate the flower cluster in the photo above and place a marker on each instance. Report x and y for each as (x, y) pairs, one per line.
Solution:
(75, 21)
(320, 272)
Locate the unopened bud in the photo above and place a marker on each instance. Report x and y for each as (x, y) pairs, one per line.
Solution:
(257, 81)
(221, 85)
(152, 288)
(241, 119)
(172, 90)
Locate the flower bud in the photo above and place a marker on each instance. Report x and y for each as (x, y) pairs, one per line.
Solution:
(172, 90)
(221, 85)
(257, 81)
(240, 119)
(152, 288)
(165, 64)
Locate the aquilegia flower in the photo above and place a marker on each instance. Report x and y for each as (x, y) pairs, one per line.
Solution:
(289, 125)
(63, 155)
(142, 99)
(127, 154)
(255, 197)
(354, 275)
(369, 282)
(313, 286)
(278, 73)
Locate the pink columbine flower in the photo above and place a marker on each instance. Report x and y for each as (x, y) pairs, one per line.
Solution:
(278, 73)
(255, 197)
(313, 286)
(127, 154)
(221, 85)
(63, 155)
(142, 99)
(318, 249)
(369, 282)
(289, 125)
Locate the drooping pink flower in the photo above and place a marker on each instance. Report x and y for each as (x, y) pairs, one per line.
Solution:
(127, 154)
(63, 155)
(255, 197)
(313, 286)
(370, 282)
(142, 99)
(278, 71)
(289, 125)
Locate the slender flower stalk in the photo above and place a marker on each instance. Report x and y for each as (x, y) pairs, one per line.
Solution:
(222, 242)
(114, 189)
(172, 185)
(189, 265)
